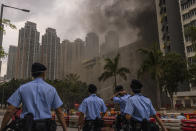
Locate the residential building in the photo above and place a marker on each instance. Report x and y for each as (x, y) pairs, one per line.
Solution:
(188, 14)
(92, 45)
(174, 18)
(28, 50)
(66, 58)
(111, 43)
(1, 43)
(49, 53)
(71, 56)
(11, 64)
(169, 26)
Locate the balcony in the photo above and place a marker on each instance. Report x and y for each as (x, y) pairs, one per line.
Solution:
(164, 19)
(166, 37)
(161, 3)
(163, 10)
(167, 49)
(165, 29)
(184, 1)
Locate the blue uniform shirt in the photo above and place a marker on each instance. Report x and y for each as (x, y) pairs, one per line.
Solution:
(121, 101)
(92, 106)
(139, 107)
(37, 97)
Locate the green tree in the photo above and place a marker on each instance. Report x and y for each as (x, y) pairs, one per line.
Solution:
(7, 23)
(152, 65)
(112, 69)
(7, 88)
(71, 90)
(72, 77)
(3, 54)
(174, 73)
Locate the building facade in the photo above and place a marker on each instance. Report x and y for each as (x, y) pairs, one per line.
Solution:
(28, 50)
(92, 45)
(49, 52)
(170, 26)
(78, 53)
(11, 64)
(188, 15)
(1, 42)
(111, 43)
(66, 58)
(174, 18)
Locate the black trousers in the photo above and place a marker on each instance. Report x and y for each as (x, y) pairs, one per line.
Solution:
(93, 125)
(44, 125)
(121, 123)
(142, 126)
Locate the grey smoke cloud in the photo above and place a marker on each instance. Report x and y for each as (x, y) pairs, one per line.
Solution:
(132, 19)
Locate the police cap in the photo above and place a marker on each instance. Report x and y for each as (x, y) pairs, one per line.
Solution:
(136, 85)
(119, 88)
(92, 88)
(37, 67)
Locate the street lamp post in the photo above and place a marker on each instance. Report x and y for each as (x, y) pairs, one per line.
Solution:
(1, 18)
(1, 33)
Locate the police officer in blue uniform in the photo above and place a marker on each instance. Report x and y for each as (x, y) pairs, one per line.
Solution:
(37, 98)
(139, 109)
(120, 97)
(91, 108)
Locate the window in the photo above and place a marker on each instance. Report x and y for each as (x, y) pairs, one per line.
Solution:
(189, 49)
(194, 101)
(190, 60)
(187, 4)
(178, 102)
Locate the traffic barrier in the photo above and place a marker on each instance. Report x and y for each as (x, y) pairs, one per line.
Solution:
(189, 125)
(109, 121)
(172, 124)
(73, 121)
(190, 115)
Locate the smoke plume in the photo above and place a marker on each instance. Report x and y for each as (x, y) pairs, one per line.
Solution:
(132, 19)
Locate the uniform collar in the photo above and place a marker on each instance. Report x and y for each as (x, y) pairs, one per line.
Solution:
(138, 94)
(93, 95)
(38, 79)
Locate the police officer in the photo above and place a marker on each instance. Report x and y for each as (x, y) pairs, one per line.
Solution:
(139, 109)
(120, 97)
(92, 107)
(37, 98)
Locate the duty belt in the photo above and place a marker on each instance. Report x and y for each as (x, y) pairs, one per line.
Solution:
(32, 125)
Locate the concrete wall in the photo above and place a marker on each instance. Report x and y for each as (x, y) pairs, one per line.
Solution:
(129, 58)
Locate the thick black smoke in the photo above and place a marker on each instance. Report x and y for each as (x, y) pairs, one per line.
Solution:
(130, 18)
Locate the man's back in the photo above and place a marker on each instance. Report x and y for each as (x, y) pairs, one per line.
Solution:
(37, 97)
(122, 101)
(92, 106)
(140, 107)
